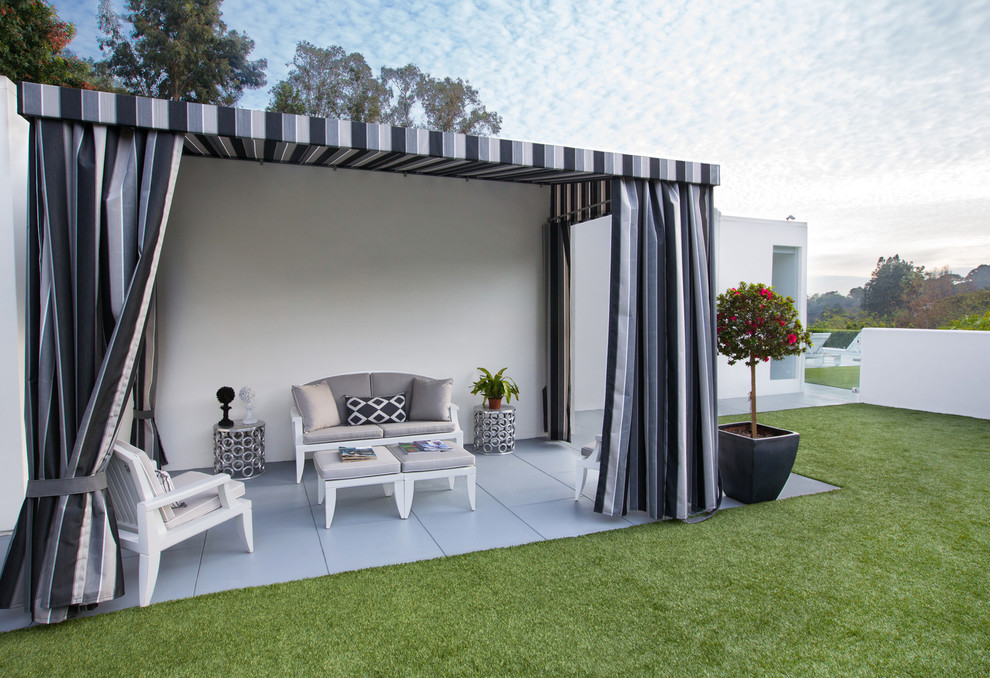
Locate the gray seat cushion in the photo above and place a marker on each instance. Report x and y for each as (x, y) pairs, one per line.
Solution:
(390, 383)
(200, 504)
(429, 399)
(432, 461)
(416, 428)
(342, 433)
(330, 467)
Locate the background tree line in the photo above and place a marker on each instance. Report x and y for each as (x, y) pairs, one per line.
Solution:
(901, 294)
(182, 50)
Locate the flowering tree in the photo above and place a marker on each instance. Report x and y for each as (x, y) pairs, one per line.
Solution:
(756, 325)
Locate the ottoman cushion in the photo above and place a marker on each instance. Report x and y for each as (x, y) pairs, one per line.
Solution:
(330, 467)
(432, 461)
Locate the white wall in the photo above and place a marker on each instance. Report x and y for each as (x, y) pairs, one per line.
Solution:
(276, 275)
(944, 371)
(590, 260)
(744, 252)
(13, 230)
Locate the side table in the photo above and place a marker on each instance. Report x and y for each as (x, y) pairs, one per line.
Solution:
(494, 430)
(240, 449)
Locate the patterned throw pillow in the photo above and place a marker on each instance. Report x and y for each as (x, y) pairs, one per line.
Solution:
(166, 480)
(376, 409)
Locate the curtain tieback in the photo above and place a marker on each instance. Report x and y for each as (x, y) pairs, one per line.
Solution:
(59, 487)
(144, 414)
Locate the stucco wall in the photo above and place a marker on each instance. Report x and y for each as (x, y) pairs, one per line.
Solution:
(943, 371)
(275, 275)
(13, 230)
(744, 252)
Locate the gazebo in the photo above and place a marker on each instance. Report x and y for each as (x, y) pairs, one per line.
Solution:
(102, 173)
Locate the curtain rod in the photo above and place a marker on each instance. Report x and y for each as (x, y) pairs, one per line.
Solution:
(603, 203)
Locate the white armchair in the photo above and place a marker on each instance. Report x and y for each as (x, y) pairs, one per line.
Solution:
(148, 518)
(590, 459)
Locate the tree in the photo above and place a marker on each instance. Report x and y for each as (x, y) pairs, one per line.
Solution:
(178, 49)
(884, 292)
(819, 304)
(924, 293)
(977, 279)
(454, 106)
(33, 43)
(329, 82)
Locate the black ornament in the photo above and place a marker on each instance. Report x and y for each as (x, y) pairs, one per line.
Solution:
(226, 396)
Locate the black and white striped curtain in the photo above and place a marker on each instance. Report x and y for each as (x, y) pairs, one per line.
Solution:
(99, 201)
(659, 435)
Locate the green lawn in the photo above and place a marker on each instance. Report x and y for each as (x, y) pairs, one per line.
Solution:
(886, 577)
(838, 377)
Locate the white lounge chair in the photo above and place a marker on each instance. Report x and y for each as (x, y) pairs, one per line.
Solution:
(590, 459)
(148, 521)
(817, 352)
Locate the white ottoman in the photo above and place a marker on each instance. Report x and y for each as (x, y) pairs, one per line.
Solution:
(333, 474)
(426, 465)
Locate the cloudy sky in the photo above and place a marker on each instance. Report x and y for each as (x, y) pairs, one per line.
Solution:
(868, 119)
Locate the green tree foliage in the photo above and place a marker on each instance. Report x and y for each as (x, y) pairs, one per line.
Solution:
(885, 291)
(977, 279)
(329, 82)
(33, 43)
(178, 49)
(830, 302)
(970, 322)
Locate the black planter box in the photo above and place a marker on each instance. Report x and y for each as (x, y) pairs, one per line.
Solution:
(755, 469)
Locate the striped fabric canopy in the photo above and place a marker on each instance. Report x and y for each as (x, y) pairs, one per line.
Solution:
(223, 132)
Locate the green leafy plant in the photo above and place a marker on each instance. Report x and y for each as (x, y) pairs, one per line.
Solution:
(757, 325)
(495, 385)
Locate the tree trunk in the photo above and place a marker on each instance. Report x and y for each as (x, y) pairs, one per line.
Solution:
(752, 399)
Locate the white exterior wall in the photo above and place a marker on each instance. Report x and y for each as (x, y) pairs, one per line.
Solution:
(945, 371)
(13, 231)
(276, 275)
(744, 252)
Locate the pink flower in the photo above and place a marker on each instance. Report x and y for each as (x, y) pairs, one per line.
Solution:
(733, 317)
(791, 338)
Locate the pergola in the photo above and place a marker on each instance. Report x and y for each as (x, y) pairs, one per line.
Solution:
(102, 172)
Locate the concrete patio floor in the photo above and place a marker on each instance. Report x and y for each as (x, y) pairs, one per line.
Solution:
(522, 497)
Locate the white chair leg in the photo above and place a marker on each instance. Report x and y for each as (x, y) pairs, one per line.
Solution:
(472, 487)
(450, 482)
(321, 490)
(300, 464)
(400, 498)
(247, 529)
(388, 488)
(330, 504)
(147, 577)
(408, 488)
(582, 478)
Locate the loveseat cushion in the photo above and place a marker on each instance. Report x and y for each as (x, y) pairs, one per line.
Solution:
(387, 383)
(417, 428)
(358, 384)
(430, 399)
(317, 405)
(342, 433)
(378, 409)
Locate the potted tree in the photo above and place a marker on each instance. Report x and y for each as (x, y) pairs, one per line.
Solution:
(756, 325)
(494, 387)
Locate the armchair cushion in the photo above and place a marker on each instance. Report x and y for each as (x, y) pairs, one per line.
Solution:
(157, 488)
(376, 409)
(200, 504)
(430, 399)
(317, 406)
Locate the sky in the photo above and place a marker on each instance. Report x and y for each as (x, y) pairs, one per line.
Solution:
(869, 120)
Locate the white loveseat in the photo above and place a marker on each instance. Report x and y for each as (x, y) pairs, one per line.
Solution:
(432, 416)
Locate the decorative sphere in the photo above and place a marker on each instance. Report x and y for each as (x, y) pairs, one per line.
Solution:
(247, 394)
(225, 394)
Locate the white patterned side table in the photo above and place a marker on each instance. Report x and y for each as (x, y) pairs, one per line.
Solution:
(494, 430)
(240, 449)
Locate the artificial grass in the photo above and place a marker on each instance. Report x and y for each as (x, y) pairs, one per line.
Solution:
(887, 576)
(846, 377)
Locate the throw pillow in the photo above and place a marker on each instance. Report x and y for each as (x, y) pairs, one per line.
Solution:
(430, 399)
(376, 409)
(317, 406)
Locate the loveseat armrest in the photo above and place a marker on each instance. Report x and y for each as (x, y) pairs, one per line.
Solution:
(459, 434)
(297, 426)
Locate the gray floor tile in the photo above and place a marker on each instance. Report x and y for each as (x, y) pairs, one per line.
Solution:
(353, 547)
(514, 482)
(358, 506)
(492, 525)
(567, 518)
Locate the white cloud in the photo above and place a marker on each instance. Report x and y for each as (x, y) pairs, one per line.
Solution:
(867, 119)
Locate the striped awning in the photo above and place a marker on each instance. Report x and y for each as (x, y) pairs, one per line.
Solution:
(223, 132)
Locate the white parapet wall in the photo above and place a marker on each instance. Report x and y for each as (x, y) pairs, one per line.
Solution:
(945, 371)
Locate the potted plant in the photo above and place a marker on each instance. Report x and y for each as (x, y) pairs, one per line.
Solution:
(756, 325)
(494, 387)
